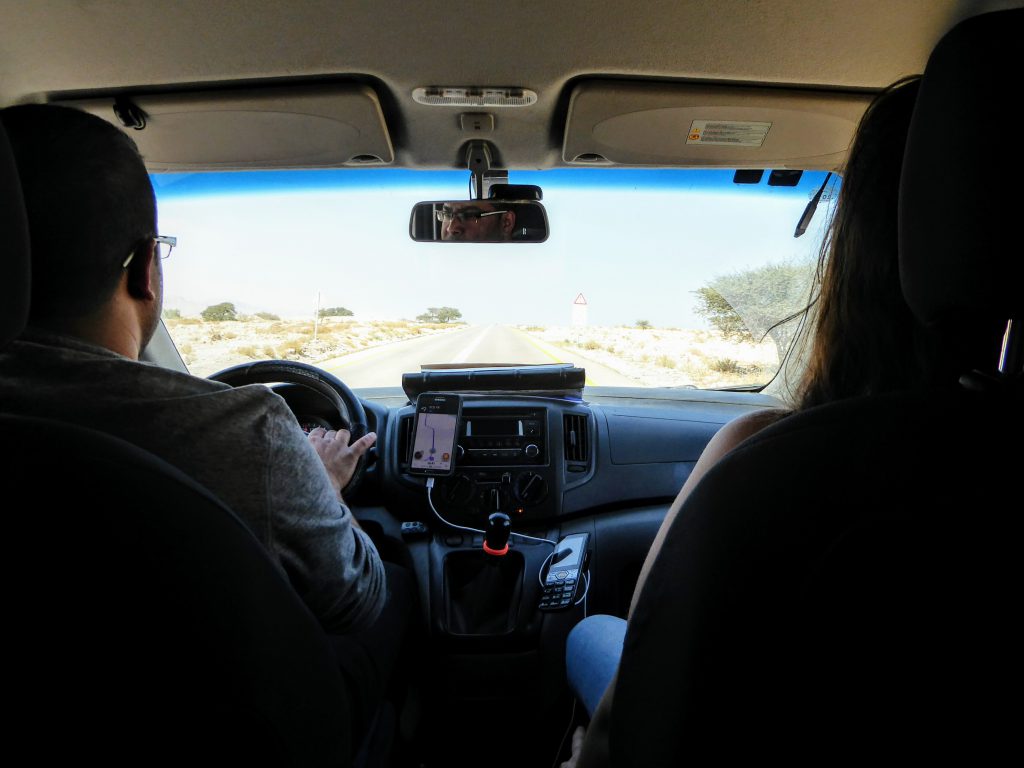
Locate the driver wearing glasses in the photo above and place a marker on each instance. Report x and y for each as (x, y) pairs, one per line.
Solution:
(476, 221)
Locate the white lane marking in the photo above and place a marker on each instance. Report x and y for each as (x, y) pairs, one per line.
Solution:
(470, 348)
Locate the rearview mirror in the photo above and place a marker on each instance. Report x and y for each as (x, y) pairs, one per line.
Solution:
(479, 221)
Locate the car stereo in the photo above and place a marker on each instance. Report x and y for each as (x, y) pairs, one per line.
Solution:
(503, 438)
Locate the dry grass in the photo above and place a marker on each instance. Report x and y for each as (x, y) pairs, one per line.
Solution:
(208, 347)
(667, 357)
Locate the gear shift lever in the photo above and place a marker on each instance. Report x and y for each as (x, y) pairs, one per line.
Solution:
(496, 534)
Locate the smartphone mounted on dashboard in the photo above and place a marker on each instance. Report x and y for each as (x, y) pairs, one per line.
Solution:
(434, 434)
(565, 572)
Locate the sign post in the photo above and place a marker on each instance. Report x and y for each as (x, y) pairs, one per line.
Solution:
(579, 315)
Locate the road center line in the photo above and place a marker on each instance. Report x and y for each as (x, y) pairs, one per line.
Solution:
(468, 350)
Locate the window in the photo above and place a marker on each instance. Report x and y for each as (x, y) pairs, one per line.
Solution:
(650, 278)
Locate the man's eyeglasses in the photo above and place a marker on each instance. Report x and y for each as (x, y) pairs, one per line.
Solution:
(465, 215)
(164, 245)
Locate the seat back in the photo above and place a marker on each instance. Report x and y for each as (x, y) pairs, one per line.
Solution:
(147, 621)
(838, 586)
(14, 257)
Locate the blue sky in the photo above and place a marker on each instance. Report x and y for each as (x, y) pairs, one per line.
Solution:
(636, 243)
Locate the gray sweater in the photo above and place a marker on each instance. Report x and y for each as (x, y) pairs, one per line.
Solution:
(243, 444)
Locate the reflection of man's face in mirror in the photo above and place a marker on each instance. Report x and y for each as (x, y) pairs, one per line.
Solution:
(476, 221)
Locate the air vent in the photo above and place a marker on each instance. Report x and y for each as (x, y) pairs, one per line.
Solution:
(404, 439)
(439, 96)
(576, 434)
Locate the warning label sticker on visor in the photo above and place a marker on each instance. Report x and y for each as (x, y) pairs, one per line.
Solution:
(732, 133)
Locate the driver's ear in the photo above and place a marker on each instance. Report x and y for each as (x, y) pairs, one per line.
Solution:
(142, 273)
(508, 222)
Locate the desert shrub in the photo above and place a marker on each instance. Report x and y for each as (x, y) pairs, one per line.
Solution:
(666, 362)
(247, 350)
(335, 312)
(591, 344)
(725, 365)
(440, 315)
(292, 348)
(172, 314)
(216, 313)
(267, 316)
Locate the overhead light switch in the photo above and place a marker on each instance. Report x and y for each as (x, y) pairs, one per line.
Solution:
(476, 122)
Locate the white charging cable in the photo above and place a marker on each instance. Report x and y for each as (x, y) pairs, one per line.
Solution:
(430, 500)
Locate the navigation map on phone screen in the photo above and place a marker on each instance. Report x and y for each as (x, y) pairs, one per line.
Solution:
(437, 424)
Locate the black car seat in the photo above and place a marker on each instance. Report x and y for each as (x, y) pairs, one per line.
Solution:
(841, 586)
(144, 623)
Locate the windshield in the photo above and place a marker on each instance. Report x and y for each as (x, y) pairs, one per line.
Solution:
(649, 278)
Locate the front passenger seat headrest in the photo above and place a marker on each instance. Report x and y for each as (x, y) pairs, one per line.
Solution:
(15, 264)
(960, 253)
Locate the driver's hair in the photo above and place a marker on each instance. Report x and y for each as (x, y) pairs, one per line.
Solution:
(89, 202)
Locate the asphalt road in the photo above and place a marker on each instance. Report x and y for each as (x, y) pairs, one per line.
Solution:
(383, 366)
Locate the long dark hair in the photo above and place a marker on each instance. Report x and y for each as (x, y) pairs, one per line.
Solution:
(865, 339)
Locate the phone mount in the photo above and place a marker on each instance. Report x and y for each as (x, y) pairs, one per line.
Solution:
(496, 534)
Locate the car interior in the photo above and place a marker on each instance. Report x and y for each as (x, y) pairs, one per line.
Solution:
(838, 587)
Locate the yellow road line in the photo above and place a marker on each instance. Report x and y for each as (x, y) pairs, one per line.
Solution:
(536, 343)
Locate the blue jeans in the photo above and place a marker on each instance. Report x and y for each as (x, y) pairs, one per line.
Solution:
(592, 655)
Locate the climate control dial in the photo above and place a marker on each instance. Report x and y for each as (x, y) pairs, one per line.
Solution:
(531, 488)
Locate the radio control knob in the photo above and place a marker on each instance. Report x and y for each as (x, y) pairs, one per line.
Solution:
(532, 451)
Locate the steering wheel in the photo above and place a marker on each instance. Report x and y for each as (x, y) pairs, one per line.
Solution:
(304, 375)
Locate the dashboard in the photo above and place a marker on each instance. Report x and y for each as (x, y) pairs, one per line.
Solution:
(540, 458)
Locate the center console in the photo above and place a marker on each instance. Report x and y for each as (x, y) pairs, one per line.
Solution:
(517, 453)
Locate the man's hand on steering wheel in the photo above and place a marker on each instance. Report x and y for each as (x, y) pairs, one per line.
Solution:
(349, 411)
(340, 458)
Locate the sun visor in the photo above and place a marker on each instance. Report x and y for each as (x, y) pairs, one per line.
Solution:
(322, 126)
(665, 124)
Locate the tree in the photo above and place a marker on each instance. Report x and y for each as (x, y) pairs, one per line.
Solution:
(440, 315)
(643, 324)
(172, 314)
(335, 312)
(752, 304)
(219, 312)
